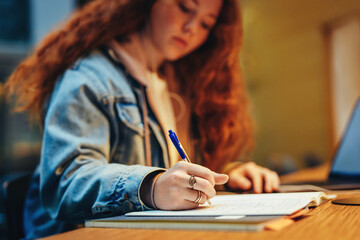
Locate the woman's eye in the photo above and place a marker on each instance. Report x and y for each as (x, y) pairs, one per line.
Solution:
(184, 8)
(205, 26)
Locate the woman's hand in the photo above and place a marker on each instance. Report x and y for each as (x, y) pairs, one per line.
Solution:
(249, 176)
(173, 191)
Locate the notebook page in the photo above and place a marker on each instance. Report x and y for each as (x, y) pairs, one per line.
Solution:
(244, 204)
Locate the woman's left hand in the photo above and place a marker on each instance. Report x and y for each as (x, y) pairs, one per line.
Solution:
(250, 176)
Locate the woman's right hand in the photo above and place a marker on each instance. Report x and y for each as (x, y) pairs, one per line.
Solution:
(172, 189)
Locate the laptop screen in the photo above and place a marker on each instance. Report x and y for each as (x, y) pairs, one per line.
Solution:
(347, 158)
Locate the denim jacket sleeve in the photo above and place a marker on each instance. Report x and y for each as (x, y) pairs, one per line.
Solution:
(77, 179)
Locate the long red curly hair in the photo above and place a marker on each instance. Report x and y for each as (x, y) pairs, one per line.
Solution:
(211, 73)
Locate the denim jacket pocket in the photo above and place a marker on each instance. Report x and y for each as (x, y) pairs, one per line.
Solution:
(130, 115)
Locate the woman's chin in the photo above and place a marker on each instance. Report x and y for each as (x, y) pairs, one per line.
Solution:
(174, 56)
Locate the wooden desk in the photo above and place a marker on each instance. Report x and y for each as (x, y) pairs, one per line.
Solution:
(328, 221)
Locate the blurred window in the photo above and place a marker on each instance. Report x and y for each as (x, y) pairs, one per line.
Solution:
(14, 20)
(343, 36)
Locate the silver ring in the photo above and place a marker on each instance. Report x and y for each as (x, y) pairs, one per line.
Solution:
(198, 198)
(192, 181)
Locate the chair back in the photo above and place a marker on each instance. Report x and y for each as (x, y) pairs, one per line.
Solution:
(14, 192)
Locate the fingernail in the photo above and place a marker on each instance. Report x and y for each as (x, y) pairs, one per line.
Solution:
(219, 174)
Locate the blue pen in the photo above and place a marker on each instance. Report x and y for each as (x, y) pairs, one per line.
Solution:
(181, 150)
(178, 146)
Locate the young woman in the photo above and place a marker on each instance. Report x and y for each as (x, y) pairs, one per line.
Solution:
(108, 85)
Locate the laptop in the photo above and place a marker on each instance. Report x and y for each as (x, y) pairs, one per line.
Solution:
(345, 168)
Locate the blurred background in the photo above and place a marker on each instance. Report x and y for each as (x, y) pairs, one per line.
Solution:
(301, 64)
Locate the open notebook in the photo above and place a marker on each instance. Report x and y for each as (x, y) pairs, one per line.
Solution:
(249, 212)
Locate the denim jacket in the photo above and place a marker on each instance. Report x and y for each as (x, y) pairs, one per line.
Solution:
(92, 158)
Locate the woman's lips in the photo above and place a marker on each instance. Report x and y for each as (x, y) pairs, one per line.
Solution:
(181, 42)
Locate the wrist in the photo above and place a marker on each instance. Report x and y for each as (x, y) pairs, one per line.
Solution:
(153, 190)
(147, 189)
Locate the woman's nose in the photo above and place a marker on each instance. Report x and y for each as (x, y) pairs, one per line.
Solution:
(190, 26)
